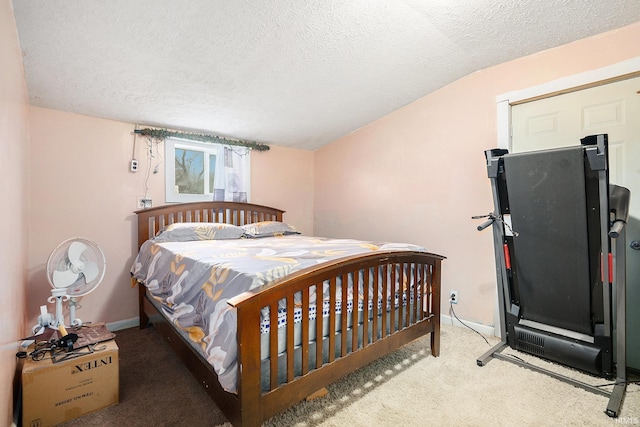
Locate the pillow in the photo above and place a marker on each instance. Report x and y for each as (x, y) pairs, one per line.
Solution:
(189, 231)
(268, 229)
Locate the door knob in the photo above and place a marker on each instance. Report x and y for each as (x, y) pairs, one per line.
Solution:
(635, 245)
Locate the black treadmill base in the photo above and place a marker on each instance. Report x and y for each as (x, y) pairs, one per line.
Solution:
(556, 348)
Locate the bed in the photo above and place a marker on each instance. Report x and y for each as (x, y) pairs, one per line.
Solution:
(365, 304)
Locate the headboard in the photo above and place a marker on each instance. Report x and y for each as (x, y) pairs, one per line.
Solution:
(152, 220)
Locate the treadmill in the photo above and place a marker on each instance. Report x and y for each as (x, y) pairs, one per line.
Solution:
(559, 244)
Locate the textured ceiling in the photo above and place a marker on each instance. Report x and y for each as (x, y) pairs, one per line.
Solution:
(291, 73)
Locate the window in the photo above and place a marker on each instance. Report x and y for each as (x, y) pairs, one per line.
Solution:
(204, 171)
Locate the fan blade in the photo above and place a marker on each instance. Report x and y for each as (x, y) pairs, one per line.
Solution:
(90, 271)
(75, 250)
(64, 278)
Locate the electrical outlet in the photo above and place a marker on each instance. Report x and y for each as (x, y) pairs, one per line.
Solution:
(134, 165)
(144, 203)
(453, 297)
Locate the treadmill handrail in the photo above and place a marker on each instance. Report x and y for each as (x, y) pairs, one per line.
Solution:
(619, 198)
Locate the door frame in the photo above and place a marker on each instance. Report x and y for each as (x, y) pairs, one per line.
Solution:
(601, 76)
(612, 73)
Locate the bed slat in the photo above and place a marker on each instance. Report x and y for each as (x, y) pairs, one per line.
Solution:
(305, 330)
(290, 339)
(417, 296)
(319, 327)
(365, 309)
(406, 293)
(273, 344)
(376, 290)
(385, 301)
(332, 320)
(345, 315)
(354, 311)
(400, 291)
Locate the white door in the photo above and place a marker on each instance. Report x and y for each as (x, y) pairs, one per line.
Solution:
(561, 121)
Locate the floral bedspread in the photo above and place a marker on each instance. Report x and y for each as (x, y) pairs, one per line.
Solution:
(194, 280)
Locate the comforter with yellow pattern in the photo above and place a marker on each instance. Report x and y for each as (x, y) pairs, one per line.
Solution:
(193, 281)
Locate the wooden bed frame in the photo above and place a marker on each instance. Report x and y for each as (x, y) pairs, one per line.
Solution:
(251, 406)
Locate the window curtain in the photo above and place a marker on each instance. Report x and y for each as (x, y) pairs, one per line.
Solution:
(232, 175)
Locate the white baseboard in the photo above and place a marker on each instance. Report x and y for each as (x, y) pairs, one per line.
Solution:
(483, 329)
(123, 324)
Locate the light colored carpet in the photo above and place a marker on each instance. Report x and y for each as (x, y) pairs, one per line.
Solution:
(412, 388)
(406, 388)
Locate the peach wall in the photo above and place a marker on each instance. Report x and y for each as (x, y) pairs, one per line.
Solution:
(81, 185)
(14, 146)
(419, 173)
(283, 177)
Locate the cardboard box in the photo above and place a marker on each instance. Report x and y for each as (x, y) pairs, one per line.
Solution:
(53, 393)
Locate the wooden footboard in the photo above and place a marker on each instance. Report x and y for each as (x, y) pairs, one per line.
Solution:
(407, 274)
(354, 339)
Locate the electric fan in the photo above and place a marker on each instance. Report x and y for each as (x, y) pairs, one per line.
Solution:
(74, 268)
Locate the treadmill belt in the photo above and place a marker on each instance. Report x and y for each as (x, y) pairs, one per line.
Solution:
(547, 200)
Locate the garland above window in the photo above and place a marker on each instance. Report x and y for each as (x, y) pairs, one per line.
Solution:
(164, 133)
